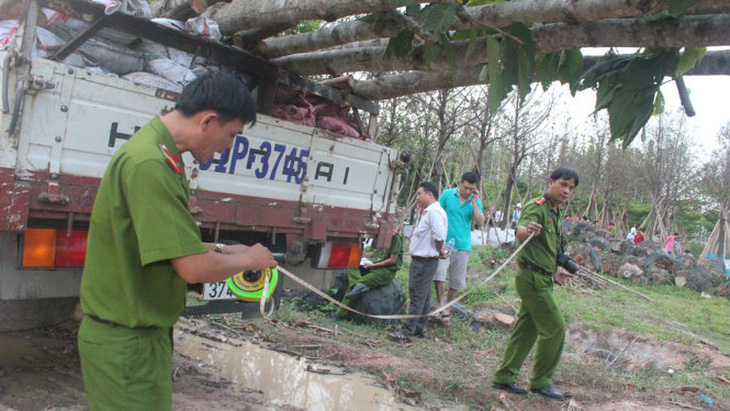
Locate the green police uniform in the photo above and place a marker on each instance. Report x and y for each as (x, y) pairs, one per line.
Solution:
(130, 292)
(376, 277)
(539, 319)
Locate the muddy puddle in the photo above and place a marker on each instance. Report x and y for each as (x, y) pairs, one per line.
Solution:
(286, 380)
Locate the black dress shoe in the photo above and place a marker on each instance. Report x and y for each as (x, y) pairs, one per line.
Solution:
(551, 392)
(509, 387)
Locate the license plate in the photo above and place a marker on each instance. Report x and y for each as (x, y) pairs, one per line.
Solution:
(217, 291)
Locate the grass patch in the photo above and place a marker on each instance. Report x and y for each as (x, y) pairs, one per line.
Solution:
(455, 362)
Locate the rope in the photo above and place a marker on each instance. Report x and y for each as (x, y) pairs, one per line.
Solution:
(380, 317)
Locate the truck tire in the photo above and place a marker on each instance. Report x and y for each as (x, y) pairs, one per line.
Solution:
(19, 315)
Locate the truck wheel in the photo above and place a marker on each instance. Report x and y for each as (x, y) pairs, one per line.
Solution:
(21, 315)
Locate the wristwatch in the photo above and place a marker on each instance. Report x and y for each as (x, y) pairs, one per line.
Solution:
(219, 248)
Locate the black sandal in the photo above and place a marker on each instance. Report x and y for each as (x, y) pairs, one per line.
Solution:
(399, 337)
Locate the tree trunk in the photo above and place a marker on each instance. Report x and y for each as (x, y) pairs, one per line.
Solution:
(249, 14)
(548, 38)
(495, 14)
(394, 85)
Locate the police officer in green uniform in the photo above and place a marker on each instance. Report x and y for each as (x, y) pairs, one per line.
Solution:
(386, 262)
(540, 318)
(144, 247)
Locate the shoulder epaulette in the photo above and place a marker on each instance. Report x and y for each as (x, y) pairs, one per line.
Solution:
(540, 200)
(171, 159)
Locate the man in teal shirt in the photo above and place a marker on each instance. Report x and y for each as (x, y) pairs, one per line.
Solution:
(540, 319)
(144, 247)
(464, 209)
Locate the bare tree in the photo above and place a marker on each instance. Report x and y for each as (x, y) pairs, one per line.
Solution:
(525, 120)
(667, 169)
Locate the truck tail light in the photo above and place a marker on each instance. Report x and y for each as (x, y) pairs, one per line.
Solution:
(339, 255)
(48, 248)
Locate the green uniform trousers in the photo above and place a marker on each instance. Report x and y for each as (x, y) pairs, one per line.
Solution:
(539, 320)
(125, 368)
(373, 278)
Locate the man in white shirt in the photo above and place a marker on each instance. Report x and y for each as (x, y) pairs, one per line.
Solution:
(498, 216)
(426, 247)
(516, 216)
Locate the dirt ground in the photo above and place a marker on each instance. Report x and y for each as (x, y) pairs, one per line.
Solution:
(39, 370)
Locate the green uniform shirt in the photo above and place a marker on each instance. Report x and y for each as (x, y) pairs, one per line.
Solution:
(139, 222)
(396, 247)
(460, 216)
(542, 251)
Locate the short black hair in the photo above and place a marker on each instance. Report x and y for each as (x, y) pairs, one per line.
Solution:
(564, 173)
(430, 187)
(221, 92)
(470, 177)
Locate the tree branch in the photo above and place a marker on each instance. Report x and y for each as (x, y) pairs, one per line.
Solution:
(394, 85)
(493, 15)
(241, 15)
(685, 32)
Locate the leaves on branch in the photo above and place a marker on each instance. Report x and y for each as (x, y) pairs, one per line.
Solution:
(437, 17)
(679, 7)
(400, 45)
(688, 59)
(627, 87)
(510, 61)
(565, 66)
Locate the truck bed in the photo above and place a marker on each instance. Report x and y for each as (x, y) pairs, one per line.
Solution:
(279, 177)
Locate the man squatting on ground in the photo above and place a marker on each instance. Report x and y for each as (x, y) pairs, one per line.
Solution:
(380, 272)
(425, 248)
(463, 209)
(144, 246)
(540, 318)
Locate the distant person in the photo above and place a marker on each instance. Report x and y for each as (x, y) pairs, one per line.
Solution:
(567, 223)
(380, 272)
(639, 237)
(657, 238)
(463, 208)
(425, 248)
(516, 215)
(612, 229)
(670, 243)
(631, 235)
(539, 319)
(498, 217)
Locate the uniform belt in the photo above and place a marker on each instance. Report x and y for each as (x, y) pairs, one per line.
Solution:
(535, 268)
(417, 258)
(99, 320)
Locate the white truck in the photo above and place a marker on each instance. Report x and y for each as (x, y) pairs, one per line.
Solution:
(310, 195)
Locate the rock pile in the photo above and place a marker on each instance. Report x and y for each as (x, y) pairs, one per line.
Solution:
(646, 263)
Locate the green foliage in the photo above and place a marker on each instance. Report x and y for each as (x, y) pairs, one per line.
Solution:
(565, 66)
(473, 3)
(437, 17)
(308, 26)
(626, 86)
(679, 7)
(658, 103)
(510, 61)
(399, 45)
(688, 59)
